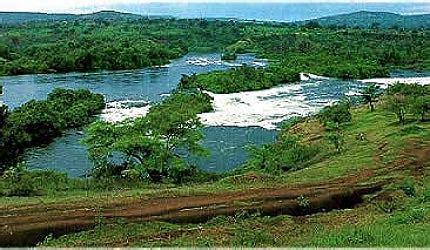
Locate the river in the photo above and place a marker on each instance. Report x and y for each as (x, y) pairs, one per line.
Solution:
(239, 119)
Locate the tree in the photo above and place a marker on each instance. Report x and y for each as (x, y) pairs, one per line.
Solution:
(420, 106)
(336, 138)
(107, 143)
(397, 104)
(153, 146)
(369, 94)
(338, 113)
(413, 98)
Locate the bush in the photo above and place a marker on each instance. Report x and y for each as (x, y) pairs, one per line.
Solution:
(283, 155)
(411, 216)
(408, 187)
(303, 202)
(252, 238)
(338, 113)
(427, 193)
(228, 56)
(17, 182)
(291, 122)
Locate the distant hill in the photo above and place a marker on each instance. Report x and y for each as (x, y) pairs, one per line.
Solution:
(362, 19)
(365, 19)
(23, 17)
(20, 17)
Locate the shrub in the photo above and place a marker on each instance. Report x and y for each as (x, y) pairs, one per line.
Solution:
(303, 202)
(252, 238)
(291, 122)
(408, 187)
(398, 105)
(427, 193)
(283, 155)
(17, 182)
(338, 113)
(415, 215)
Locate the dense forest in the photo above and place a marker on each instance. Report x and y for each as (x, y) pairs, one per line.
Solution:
(340, 53)
(105, 43)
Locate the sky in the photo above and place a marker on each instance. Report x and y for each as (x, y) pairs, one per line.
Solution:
(78, 5)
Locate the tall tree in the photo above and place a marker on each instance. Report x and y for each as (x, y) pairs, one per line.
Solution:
(369, 94)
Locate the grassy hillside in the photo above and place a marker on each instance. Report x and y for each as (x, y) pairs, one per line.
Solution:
(381, 220)
(395, 155)
(365, 19)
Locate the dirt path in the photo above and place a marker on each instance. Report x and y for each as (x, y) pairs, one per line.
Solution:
(25, 226)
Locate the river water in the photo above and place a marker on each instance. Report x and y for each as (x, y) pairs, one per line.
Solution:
(239, 119)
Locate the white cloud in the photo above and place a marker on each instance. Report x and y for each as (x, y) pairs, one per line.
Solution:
(79, 5)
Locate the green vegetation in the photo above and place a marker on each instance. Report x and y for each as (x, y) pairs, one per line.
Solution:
(402, 206)
(286, 154)
(341, 53)
(375, 20)
(39, 122)
(238, 79)
(146, 157)
(227, 56)
(86, 44)
(152, 147)
(402, 99)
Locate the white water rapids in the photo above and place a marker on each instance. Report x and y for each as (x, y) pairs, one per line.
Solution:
(265, 108)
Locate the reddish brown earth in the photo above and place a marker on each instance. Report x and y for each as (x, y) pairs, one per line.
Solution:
(27, 225)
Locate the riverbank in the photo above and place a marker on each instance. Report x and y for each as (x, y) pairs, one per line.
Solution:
(392, 156)
(128, 92)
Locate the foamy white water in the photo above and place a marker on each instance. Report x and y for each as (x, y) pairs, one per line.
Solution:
(264, 108)
(385, 82)
(309, 76)
(122, 110)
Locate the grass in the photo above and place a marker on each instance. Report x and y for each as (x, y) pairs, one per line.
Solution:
(401, 220)
(365, 226)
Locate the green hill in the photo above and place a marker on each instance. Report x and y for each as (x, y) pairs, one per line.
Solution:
(21, 17)
(25, 17)
(365, 19)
